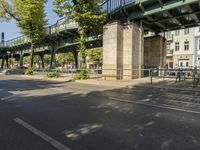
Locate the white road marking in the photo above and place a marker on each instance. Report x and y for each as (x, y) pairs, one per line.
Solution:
(154, 105)
(45, 137)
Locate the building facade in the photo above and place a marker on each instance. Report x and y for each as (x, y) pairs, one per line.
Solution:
(181, 48)
(197, 48)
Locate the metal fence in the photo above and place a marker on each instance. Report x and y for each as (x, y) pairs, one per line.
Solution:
(177, 75)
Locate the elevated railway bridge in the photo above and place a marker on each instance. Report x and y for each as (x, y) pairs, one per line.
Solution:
(123, 41)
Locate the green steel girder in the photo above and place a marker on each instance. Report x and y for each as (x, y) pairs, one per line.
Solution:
(156, 15)
(161, 15)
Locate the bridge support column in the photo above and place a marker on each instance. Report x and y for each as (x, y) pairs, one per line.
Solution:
(53, 52)
(133, 44)
(21, 60)
(2, 63)
(113, 50)
(42, 60)
(7, 63)
(122, 51)
(154, 52)
(75, 54)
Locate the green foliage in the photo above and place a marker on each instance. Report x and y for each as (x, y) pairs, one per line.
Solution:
(29, 16)
(89, 16)
(29, 71)
(32, 18)
(47, 60)
(82, 75)
(7, 12)
(27, 60)
(53, 74)
(65, 58)
(95, 55)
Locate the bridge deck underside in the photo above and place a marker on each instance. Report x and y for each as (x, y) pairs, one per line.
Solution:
(160, 15)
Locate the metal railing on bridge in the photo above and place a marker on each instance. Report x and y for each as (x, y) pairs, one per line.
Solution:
(65, 24)
(112, 5)
(62, 25)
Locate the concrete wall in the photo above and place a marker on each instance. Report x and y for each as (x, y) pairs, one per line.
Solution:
(154, 52)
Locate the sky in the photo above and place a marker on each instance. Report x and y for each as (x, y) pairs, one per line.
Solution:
(11, 30)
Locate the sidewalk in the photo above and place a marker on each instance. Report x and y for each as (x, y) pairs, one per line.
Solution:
(143, 82)
(44, 77)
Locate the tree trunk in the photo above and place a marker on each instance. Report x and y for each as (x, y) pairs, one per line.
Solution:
(75, 54)
(52, 61)
(7, 63)
(32, 55)
(42, 60)
(2, 63)
(82, 47)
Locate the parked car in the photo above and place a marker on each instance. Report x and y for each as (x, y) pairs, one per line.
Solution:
(13, 71)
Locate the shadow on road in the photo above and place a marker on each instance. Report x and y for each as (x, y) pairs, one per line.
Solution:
(111, 119)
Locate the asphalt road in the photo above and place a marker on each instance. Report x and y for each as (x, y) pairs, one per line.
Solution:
(52, 115)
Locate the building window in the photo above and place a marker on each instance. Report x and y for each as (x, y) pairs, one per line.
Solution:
(177, 32)
(187, 64)
(177, 46)
(187, 31)
(186, 45)
(181, 64)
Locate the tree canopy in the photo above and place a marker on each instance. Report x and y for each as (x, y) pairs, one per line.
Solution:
(87, 13)
(65, 58)
(95, 55)
(29, 16)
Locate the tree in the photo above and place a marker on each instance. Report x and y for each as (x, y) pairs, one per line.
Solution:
(89, 16)
(62, 59)
(47, 59)
(7, 12)
(29, 16)
(95, 55)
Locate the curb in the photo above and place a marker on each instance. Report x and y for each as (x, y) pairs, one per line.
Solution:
(171, 88)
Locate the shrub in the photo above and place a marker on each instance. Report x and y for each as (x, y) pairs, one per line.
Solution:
(53, 74)
(82, 75)
(29, 71)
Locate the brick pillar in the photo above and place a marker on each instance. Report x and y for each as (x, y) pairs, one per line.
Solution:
(113, 50)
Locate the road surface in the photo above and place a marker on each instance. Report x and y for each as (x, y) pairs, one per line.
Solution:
(58, 115)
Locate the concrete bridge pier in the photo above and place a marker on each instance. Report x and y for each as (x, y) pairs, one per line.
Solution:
(21, 60)
(155, 52)
(7, 62)
(122, 51)
(53, 53)
(126, 52)
(41, 55)
(75, 54)
(3, 62)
